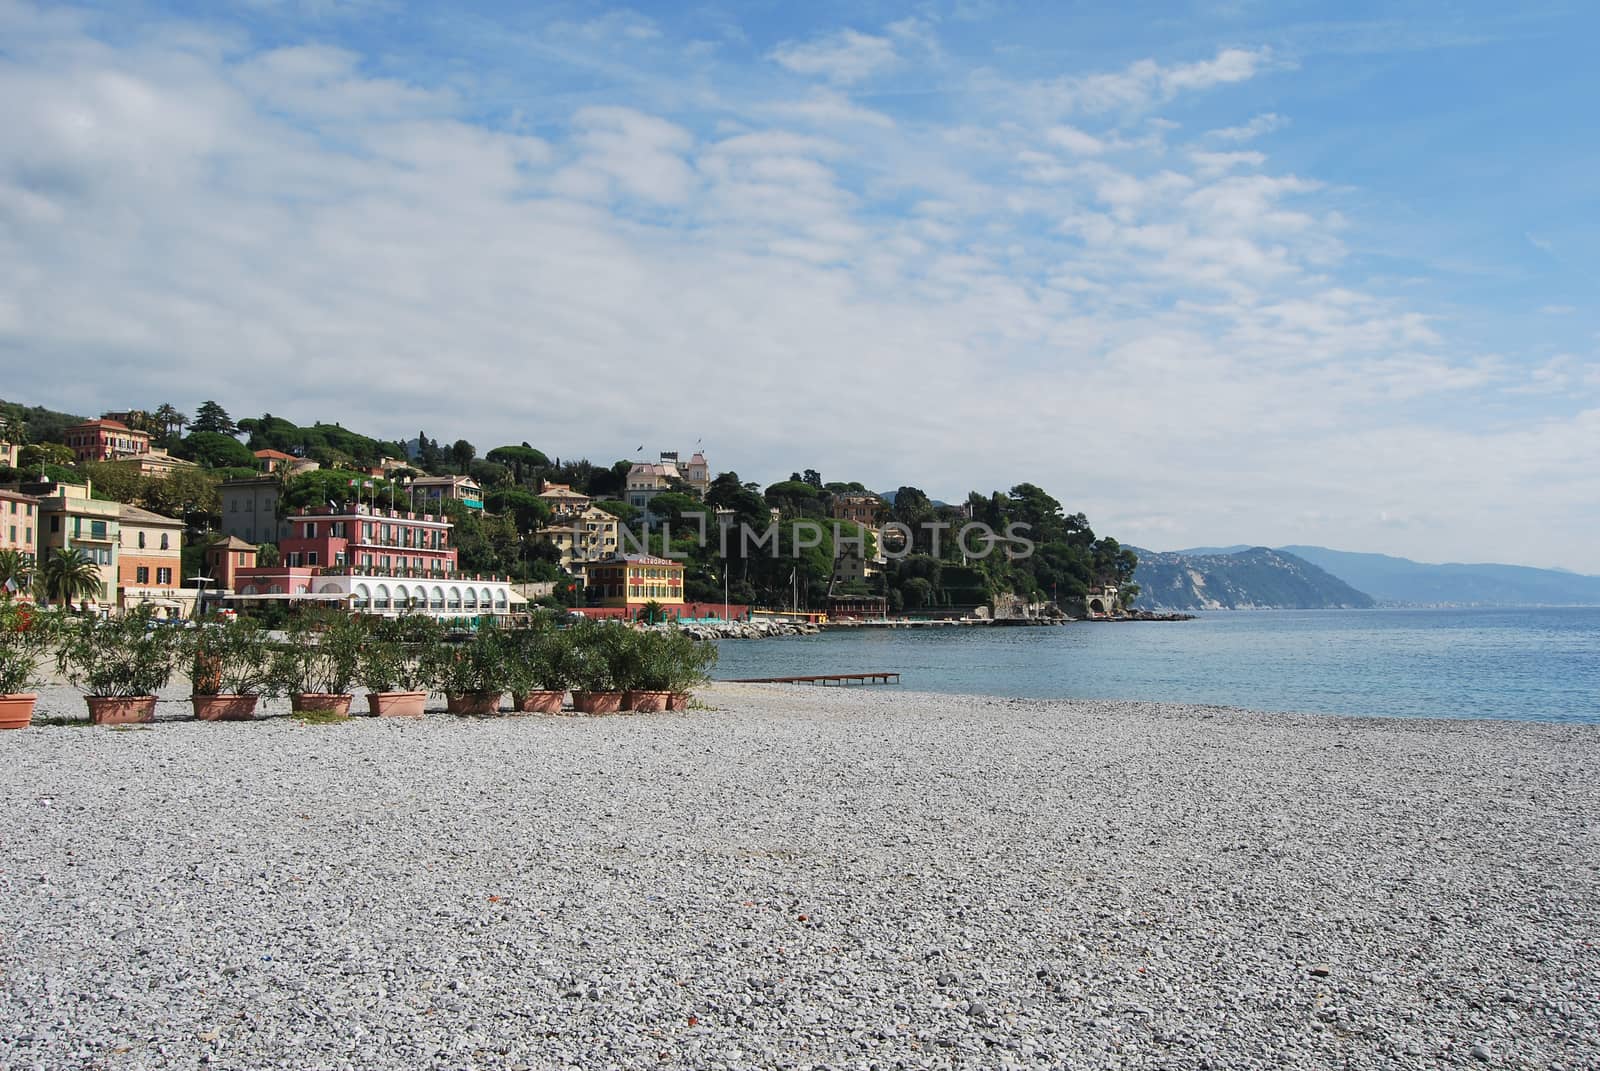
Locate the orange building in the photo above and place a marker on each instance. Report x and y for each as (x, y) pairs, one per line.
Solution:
(150, 562)
(273, 460)
(631, 580)
(225, 558)
(105, 440)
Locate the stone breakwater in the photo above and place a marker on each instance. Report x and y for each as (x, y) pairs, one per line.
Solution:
(803, 879)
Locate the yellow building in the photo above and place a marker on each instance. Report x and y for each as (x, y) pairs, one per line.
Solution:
(631, 580)
(583, 538)
(154, 462)
(70, 518)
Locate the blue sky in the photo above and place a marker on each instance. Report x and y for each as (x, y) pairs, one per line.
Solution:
(1211, 272)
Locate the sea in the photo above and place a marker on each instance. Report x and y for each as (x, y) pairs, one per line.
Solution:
(1539, 664)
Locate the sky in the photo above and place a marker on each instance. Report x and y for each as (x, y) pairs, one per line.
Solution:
(1212, 272)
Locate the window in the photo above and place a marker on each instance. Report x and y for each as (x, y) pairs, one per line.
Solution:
(29, 537)
(13, 509)
(97, 529)
(13, 533)
(165, 541)
(164, 577)
(250, 506)
(55, 524)
(141, 540)
(311, 557)
(233, 507)
(141, 575)
(311, 530)
(338, 557)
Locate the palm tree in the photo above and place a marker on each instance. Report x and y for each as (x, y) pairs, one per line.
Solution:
(68, 576)
(16, 572)
(12, 431)
(170, 419)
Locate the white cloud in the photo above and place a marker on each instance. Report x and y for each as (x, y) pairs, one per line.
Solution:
(1262, 124)
(1145, 83)
(1075, 141)
(298, 232)
(844, 57)
(827, 108)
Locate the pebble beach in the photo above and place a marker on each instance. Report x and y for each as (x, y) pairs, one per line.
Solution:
(797, 878)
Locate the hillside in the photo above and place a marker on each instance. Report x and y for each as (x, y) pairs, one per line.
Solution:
(1253, 579)
(1400, 581)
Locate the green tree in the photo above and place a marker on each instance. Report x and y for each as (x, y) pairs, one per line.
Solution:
(462, 453)
(114, 483)
(527, 510)
(35, 454)
(212, 418)
(171, 422)
(523, 461)
(215, 450)
(67, 576)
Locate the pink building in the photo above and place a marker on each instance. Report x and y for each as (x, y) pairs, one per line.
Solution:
(19, 523)
(103, 440)
(367, 538)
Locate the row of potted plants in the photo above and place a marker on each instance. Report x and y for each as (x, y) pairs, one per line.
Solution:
(120, 663)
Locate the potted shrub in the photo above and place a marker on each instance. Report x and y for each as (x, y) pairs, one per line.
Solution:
(598, 651)
(119, 663)
(229, 667)
(538, 668)
(393, 666)
(648, 670)
(317, 664)
(473, 675)
(25, 637)
(690, 666)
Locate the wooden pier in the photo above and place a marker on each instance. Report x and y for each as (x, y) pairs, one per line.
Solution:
(825, 679)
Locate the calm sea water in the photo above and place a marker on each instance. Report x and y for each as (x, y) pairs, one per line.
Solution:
(1541, 664)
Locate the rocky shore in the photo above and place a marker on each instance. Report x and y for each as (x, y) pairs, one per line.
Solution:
(802, 878)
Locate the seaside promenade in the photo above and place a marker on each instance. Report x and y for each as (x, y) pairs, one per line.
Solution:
(803, 878)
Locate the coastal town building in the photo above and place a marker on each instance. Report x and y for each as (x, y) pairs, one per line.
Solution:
(250, 510)
(646, 479)
(430, 491)
(563, 500)
(272, 461)
(225, 558)
(19, 522)
(372, 560)
(630, 581)
(394, 541)
(105, 440)
(155, 463)
(8, 453)
(150, 563)
(858, 507)
(70, 518)
(583, 538)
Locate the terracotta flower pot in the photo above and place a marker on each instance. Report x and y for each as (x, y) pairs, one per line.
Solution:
(469, 703)
(597, 702)
(397, 704)
(538, 702)
(222, 706)
(646, 702)
(16, 710)
(335, 703)
(678, 701)
(121, 710)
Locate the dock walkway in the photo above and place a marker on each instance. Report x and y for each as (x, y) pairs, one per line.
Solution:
(826, 679)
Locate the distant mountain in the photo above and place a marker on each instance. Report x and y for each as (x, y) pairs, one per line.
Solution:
(1252, 579)
(1400, 581)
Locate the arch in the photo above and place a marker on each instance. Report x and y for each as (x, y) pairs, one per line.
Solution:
(469, 599)
(380, 597)
(485, 598)
(436, 598)
(361, 596)
(453, 597)
(1096, 606)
